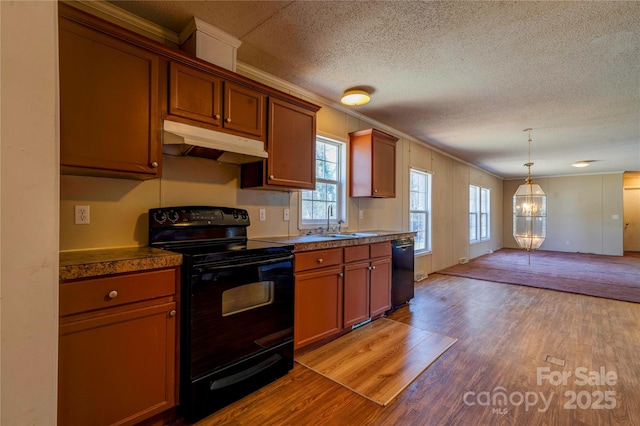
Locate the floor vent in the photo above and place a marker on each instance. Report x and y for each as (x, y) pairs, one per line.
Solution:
(463, 259)
(419, 276)
(360, 324)
(553, 360)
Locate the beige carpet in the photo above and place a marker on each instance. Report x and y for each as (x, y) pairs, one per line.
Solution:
(378, 360)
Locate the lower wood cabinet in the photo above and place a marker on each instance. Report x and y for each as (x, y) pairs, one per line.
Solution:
(367, 282)
(318, 301)
(338, 288)
(117, 348)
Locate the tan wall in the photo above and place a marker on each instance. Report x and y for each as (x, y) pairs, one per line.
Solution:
(29, 213)
(580, 212)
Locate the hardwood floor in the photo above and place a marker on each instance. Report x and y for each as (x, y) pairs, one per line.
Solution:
(379, 359)
(504, 334)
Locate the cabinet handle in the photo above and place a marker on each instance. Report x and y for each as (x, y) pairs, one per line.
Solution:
(217, 116)
(320, 260)
(154, 164)
(272, 177)
(113, 294)
(228, 120)
(172, 313)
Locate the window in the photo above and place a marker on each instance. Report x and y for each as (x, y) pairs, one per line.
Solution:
(420, 208)
(330, 190)
(479, 211)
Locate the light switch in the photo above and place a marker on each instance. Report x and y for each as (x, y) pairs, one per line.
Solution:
(263, 215)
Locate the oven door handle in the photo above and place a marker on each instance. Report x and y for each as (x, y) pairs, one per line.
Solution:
(242, 265)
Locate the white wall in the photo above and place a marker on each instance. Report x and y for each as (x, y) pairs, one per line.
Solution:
(580, 212)
(29, 213)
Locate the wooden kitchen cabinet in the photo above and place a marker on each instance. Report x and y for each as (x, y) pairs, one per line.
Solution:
(117, 348)
(291, 145)
(318, 296)
(203, 99)
(372, 164)
(109, 104)
(195, 95)
(367, 282)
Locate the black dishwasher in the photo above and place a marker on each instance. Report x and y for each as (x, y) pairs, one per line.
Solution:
(401, 271)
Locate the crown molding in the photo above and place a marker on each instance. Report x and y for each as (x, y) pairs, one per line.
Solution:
(128, 19)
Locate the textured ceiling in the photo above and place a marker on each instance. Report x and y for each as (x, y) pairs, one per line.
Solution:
(465, 77)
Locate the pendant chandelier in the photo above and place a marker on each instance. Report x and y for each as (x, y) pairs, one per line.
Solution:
(529, 211)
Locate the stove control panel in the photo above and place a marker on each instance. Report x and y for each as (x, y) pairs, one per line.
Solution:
(170, 217)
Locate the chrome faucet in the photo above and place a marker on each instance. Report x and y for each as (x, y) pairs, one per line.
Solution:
(329, 214)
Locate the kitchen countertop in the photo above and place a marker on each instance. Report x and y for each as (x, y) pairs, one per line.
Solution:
(95, 263)
(317, 241)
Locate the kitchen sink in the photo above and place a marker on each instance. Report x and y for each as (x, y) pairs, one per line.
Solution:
(353, 234)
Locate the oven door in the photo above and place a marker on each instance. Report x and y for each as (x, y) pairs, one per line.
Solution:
(238, 310)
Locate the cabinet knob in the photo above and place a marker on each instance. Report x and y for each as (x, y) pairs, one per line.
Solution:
(373, 267)
(320, 260)
(113, 294)
(375, 191)
(341, 274)
(272, 177)
(228, 120)
(217, 116)
(154, 164)
(172, 313)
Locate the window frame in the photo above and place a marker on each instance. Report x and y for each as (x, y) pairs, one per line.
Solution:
(425, 212)
(340, 209)
(479, 214)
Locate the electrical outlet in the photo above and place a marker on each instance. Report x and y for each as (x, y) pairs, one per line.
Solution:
(263, 215)
(286, 214)
(82, 215)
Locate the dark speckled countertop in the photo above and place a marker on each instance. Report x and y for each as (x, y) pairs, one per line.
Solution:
(94, 263)
(317, 242)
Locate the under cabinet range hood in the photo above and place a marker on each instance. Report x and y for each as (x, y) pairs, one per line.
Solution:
(183, 139)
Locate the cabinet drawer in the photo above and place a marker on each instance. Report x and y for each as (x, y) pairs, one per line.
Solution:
(381, 249)
(317, 259)
(98, 293)
(354, 253)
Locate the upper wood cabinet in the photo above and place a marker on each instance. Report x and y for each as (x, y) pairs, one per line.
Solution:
(291, 145)
(372, 164)
(116, 87)
(109, 105)
(206, 100)
(195, 95)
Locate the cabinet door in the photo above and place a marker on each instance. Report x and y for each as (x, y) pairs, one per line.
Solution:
(244, 110)
(372, 164)
(384, 167)
(194, 95)
(117, 368)
(109, 105)
(318, 306)
(291, 144)
(380, 299)
(356, 293)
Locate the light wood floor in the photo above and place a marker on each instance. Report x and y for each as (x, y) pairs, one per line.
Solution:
(504, 333)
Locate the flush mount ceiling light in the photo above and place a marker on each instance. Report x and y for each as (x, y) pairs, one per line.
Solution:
(355, 97)
(580, 164)
(529, 212)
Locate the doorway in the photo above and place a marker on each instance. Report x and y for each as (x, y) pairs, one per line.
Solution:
(631, 212)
